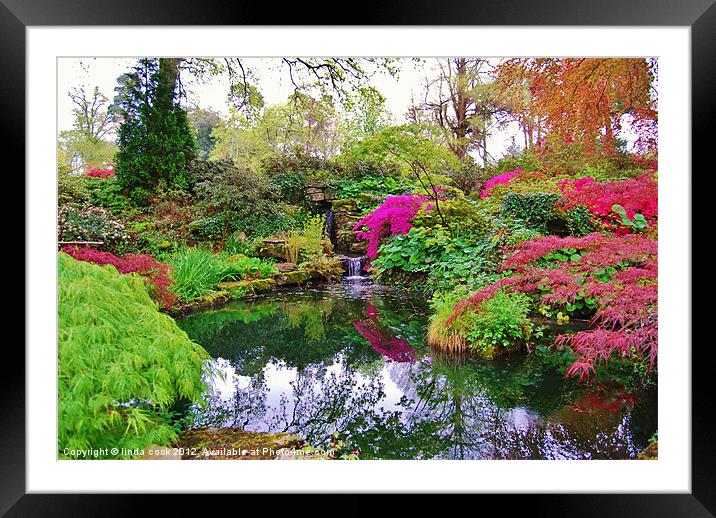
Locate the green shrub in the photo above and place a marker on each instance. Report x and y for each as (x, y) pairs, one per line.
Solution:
(309, 243)
(240, 267)
(236, 200)
(460, 213)
(107, 193)
(289, 173)
(579, 221)
(371, 190)
(71, 188)
(470, 177)
(534, 211)
(499, 323)
(314, 242)
(121, 363)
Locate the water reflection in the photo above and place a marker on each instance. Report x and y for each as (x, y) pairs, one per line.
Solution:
(352, 359)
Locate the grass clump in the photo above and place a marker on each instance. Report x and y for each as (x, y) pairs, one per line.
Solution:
(498, 324)
(197, 272)
(121, 363)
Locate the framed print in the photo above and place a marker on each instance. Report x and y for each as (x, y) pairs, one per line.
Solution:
(421, 251)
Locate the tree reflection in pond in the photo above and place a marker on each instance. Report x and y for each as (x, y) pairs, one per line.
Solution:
(355, 362)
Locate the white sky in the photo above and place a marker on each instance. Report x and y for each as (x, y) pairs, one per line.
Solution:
(273, 82)
(271, 79)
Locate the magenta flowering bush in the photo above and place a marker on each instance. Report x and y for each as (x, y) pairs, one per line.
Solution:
(500, 178)
(394, 216)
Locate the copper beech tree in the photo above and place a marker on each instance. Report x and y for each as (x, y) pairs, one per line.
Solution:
(582, 100)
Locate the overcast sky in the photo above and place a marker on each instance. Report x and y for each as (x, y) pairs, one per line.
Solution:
(271, 79)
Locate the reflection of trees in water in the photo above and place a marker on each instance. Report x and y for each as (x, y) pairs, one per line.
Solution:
(444, 412)
(474, 426)
(451, 407)
(321, 405)
(246, 403)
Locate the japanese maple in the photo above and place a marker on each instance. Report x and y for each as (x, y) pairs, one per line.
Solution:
(584, 100)
(157, 273)
(617, 273)
(636, 195)
(100, 173)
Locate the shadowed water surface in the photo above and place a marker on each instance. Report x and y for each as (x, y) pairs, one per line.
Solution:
(352, 359)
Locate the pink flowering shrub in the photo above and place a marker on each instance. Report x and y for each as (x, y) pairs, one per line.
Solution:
(497, 180)
(393, 217)
(100, 173)
(157, 273)
(382, 339)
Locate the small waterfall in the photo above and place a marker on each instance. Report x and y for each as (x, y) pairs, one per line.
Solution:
(329, 227)
(354, 267)
(354, 264)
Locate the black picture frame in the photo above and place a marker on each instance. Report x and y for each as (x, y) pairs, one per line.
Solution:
(700, 15)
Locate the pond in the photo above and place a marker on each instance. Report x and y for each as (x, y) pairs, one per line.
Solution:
(352, 358)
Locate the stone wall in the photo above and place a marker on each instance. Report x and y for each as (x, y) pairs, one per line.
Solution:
(345, 216)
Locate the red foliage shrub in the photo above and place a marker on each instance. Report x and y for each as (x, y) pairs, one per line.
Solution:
(636, 195)
(100, 173)
(157, 273)
(618, 272)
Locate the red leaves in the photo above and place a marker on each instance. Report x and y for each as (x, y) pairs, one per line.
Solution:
(497, 180)
(157, 273)
(619, 272)
(100, 173)
(636, 195)
(584, 99)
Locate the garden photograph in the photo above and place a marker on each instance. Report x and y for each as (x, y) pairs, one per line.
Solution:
(357, 258)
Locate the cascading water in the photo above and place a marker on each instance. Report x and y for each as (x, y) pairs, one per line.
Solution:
(354, 265)
(329, 227)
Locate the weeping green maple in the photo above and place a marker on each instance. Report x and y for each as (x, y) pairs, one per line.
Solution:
(121, 363)
(154, 138)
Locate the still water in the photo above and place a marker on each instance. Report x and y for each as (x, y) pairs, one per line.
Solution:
(352, 359)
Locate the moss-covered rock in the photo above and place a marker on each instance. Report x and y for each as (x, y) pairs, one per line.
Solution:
(292, 278)
(651, 452)
(213, 298)
(235, 444)
(343, 205)
(249, 286)
(271, 248)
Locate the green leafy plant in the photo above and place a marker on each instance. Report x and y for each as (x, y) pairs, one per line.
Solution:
(121, 363)
(436, 259)
(637, 223)
(499, 323)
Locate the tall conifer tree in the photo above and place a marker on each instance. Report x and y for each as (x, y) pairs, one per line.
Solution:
(154, 137)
